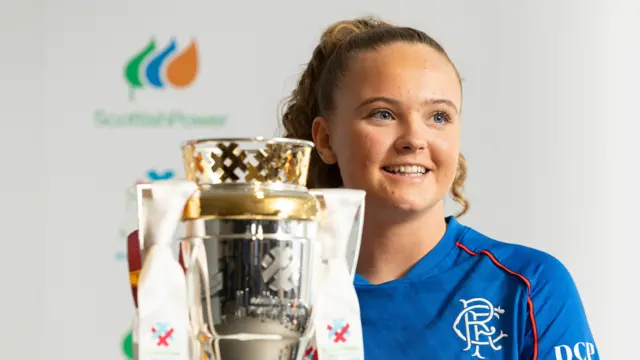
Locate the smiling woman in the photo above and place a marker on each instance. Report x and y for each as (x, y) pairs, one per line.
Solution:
(382, 104)
(390, 119)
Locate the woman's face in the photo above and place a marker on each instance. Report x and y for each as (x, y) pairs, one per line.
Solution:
(395, 128)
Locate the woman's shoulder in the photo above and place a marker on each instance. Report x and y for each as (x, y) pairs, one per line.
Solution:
(556, 315)
(539, 269)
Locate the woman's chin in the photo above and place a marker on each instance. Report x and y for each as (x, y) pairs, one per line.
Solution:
(409, 206)
(405, 206)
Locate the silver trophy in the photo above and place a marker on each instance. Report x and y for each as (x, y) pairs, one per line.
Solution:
(249, 250)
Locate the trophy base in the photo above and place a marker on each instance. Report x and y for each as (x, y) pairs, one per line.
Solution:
(257, 349)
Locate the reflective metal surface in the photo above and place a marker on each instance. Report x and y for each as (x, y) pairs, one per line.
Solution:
(249, 247)
(259, 305)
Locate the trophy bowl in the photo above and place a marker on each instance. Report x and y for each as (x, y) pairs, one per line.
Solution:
(249, 249)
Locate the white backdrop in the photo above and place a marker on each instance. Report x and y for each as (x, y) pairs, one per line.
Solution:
(549, 132)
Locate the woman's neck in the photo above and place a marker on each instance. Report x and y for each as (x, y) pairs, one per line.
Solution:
(389, 249)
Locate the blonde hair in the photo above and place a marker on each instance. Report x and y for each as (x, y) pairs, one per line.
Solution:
(313, 95)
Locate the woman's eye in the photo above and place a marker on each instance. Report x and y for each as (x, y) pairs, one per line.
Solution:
(440, 118)
(382, 115)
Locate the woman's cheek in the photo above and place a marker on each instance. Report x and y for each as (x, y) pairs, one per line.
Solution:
(373, 144)
(358, 155)
(444, 153)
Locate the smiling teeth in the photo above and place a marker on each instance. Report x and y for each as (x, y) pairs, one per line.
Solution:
(407, 169)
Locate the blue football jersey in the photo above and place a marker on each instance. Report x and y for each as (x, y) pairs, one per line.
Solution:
(473, 297)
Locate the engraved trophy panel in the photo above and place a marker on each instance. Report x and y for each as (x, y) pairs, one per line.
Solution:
(250, 248)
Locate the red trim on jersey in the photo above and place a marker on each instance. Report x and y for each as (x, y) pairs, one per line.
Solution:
(521, 277)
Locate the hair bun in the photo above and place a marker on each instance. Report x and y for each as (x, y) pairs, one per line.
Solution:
(339, 32)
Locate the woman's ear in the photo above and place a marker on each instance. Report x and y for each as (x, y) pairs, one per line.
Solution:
(322, 139)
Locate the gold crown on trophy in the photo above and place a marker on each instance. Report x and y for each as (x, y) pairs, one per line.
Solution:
(224, 161)
(258, 164)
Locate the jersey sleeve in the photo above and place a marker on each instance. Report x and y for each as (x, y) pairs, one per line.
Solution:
(557, 329)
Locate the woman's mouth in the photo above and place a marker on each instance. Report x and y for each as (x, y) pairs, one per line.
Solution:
(406, 170)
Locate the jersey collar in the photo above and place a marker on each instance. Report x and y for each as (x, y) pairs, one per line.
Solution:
(428, 264)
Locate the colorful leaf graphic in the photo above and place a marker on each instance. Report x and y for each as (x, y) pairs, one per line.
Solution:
(127, 345)
(132, 69)
(183, 68)
(154, 69)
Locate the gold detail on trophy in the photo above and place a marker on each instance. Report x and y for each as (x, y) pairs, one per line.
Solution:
(221, 161)
(245, 179)
(247, 205)
(192, 208)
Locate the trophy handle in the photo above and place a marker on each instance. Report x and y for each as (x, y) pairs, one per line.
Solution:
(355, 239)
(198, 285)
(193, 288)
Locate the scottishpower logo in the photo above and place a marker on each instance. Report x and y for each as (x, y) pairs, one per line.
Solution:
(151, 68)
(160, 68)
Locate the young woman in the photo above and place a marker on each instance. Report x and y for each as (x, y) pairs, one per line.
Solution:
(382, 104)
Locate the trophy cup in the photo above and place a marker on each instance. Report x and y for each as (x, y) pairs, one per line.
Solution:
(249, 257)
